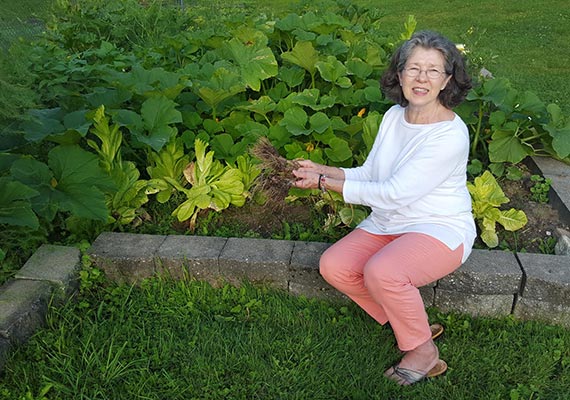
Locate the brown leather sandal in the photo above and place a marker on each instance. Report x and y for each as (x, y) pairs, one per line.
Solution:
(405, 376)
(436, 330)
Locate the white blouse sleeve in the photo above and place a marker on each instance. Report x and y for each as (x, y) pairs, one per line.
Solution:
(423, 169)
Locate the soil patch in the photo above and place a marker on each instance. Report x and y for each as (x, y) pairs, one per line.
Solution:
(538, 235)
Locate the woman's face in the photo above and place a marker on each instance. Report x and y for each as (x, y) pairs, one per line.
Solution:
(423, 77)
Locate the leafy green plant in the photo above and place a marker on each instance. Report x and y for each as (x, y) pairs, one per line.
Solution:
(508, 126)
(339, 214)
(169, 162)
(540, 188)
(212, 186)
(547, 244)
(15, 204)
(129, 193)
(487, 197)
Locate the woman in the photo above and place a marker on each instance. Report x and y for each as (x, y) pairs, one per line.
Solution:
(414, 180)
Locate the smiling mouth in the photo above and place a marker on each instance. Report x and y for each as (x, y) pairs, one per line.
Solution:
(420, 90)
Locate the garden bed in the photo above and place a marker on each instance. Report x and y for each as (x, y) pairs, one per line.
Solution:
(300, 221)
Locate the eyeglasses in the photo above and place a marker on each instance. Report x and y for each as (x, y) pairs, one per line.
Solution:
(432, 73)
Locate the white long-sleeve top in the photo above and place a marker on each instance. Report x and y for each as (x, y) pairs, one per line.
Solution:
(414, 180)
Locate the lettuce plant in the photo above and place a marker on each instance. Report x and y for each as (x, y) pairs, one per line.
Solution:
(487, 197)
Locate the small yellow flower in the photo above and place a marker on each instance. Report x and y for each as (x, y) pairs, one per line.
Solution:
(361, 112)
(461, 48)
(309, 147)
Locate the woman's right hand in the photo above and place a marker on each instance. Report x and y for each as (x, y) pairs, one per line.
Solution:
(307, 175)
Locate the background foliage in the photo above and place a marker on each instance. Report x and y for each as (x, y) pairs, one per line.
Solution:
(144, 103)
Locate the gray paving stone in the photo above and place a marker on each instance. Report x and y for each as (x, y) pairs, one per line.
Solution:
(562, 247)
(256, 260)
(428, 295)
(485, 272)
(24, 306)
(531, 309)
(58, 265)
(547, 278)
(304, 276)
(193, 256)
(492, 305)
(126, 257)
(5, 349)
(307, 254)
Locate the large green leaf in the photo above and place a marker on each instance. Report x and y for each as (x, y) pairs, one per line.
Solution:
(512, 219)
(15, 207)
(370, 129)
(530, 102)
(158, 113)
(339, 150)
(559, 130)
(359, 68)
(312, 98)
(43, 123)
(222, 84)
(295, 120)
(262, 106)
(506, 146)
(79, 182)
(38, 176)
(485, 189)
(319, 122)
(304, 55)
(292, 76)
(152, 82)
(109, 97)
(256, 61)
(332, 70)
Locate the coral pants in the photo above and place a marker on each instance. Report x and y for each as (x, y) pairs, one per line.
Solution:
(382, 274)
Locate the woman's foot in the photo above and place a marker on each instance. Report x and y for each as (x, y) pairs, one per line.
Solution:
(415, 364)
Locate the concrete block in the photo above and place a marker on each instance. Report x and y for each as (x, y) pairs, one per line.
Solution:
(24, 305)
(304, 276)
(256, 260)
(428, 295)
(547, 278)
(530, 309)
(485, 272)
(191, 256)
(491, 305)
(126, 257)
(58, 265)
(562, 247)
(5, 349)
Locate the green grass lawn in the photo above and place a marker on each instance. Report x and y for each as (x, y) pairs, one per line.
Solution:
(186, 340)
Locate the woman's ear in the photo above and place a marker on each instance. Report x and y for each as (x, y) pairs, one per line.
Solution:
(446, 81)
